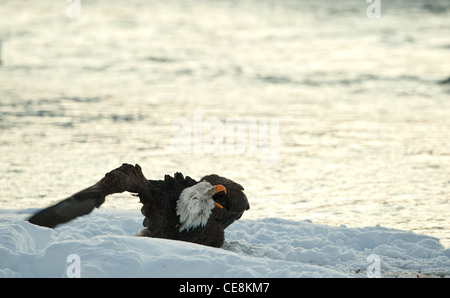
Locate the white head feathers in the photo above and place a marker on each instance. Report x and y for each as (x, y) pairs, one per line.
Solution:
(195, 204)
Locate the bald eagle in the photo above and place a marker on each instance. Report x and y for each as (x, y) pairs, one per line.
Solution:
(177, 207)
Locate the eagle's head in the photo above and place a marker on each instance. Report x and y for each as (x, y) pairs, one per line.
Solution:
(195, 204)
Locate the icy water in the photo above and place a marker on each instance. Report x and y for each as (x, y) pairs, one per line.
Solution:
(319, 111)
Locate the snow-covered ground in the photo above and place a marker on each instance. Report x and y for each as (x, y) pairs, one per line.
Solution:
(103, 244)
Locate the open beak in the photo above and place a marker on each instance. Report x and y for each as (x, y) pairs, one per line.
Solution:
(219, 188)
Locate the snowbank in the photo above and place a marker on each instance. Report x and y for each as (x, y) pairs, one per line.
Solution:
(103, 244)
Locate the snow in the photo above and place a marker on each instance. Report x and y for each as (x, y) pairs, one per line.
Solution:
(103, 244)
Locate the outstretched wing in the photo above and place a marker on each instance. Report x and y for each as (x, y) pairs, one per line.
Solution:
(77, 205)
(125, 178)
(235, 201)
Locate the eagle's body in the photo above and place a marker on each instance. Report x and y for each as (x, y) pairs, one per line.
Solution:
(177, 207)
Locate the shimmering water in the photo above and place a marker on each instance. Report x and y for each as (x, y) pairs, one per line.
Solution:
(363, 121)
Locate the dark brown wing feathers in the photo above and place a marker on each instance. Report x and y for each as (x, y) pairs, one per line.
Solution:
(125, 178)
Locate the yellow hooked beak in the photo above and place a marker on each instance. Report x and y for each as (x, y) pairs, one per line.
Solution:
(219, 188)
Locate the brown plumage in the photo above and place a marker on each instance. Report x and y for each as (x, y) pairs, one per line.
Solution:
(159, 204)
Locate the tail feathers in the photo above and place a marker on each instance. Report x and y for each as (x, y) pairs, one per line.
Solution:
(77, 205)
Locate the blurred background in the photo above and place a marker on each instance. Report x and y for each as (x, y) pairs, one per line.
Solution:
(362, 104)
